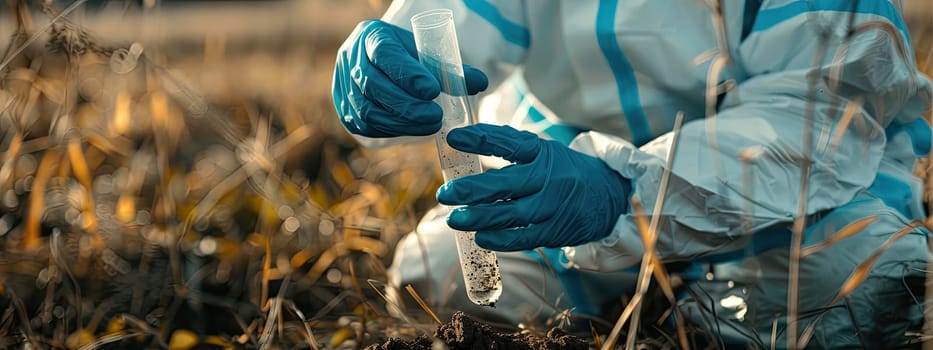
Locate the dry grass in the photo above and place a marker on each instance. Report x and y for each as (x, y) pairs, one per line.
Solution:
(199, 192)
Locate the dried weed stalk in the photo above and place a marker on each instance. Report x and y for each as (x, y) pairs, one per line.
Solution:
(188, 209)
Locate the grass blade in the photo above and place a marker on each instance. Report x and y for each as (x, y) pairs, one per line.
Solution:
(46, 168)
(847, 231)
(858, 276)
(424, 306)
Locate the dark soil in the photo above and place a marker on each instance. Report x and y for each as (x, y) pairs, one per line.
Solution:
(465, 333)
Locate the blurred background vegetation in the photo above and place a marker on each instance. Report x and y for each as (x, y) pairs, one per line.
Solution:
(172, 175)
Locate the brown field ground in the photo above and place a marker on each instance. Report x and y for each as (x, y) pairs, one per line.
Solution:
(203, 195)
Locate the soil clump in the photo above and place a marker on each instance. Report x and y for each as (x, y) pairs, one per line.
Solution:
(465, 333)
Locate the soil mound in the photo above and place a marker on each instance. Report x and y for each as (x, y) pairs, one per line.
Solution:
(465, 333)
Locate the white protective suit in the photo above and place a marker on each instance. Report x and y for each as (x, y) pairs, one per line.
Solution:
(622, 70)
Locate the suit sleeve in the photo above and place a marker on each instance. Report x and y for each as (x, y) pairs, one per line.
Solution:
(736, 178)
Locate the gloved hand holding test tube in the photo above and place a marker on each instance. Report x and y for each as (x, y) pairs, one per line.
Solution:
(439, 51)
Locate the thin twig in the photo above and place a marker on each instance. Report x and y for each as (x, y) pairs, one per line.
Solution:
(598, 342)
(652, 235)
(847, 231)
(800, 222)
(55, 252)
(928, 293)
(852, 108)
(547, 261)
(425, 307)
(111, 339)
(389, 302)
(359, 290)
(858, 276)
(265, 339)
(312, 341)
(24, 318)
(645, 271)
(39, 33)
(617, 328)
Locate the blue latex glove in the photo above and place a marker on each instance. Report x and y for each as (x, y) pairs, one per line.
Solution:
(381, 90)
(551, 197)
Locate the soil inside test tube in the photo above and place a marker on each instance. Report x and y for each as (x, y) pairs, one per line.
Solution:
(480, 271)
(439, 52)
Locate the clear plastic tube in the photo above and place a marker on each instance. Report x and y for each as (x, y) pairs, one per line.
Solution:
(439, 52)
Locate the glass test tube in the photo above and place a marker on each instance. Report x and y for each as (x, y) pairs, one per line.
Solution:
(439, 52)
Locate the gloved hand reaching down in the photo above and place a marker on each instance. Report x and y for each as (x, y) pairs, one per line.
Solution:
(552, 196)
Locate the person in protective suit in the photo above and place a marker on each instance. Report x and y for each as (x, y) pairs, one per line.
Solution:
(581, 107)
